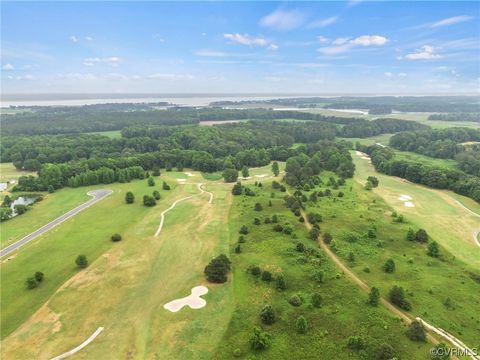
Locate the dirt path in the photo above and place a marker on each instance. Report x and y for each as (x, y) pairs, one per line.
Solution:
(162, 215)
(81, 346)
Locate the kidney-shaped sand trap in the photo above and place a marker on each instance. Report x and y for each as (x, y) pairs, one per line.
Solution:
(409, 204)
(194, 301)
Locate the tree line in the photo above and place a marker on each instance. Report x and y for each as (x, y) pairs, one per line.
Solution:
(433, 176)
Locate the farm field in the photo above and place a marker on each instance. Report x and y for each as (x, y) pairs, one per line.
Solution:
(435, 211)
(329, 326)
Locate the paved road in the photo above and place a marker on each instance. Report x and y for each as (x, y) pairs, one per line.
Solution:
(97, 195)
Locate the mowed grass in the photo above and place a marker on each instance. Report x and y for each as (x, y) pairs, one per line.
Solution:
(441, 291)
(435, 210)
(125, 289)
(343, 313)
(9, 172)
(114, 134)
(41, 213)
(257, 173)
(54, 252)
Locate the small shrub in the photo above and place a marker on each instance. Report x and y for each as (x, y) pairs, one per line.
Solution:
(81, 261)
(416, 332)
(116, 237)
(280, 283)
(267, 276)
(301, 325)
(317, 300)
(295, 300)
(267, 315)
(260, 339)
(355, 343)
(243, 230)
(255, 270)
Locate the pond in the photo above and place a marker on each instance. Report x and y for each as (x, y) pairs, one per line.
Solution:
(3, 186)
(22, 200)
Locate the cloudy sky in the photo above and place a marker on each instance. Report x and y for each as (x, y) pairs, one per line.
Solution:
(234, 47)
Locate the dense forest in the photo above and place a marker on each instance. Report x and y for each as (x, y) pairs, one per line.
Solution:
(444, 144)
(86, 160)
(451, 104)
(366, 128)
(95, 119)
(385, 162)
(474, 117)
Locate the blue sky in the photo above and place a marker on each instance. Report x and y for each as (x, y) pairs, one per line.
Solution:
(241, 47)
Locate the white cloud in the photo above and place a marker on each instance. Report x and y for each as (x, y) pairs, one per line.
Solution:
(450, 21)
(368, 40)
(323, 40)
(88, 38)
(283, 20)
(209, 53)
(73, 39)
(8, 67)
(110, 61)
(344, 44)
(250, 41)
(158, 37)
(388, 74)
(340, 41)
(402, 74)
(426, 52)
(323, 22)
(25, 77)
(171, 76)
(77, 76)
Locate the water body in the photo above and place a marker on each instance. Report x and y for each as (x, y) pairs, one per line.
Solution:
(3, 186)
(22, 200)
(8, 100)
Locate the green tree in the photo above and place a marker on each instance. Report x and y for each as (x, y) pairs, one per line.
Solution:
(230, 175)
(280, 283)
(116, 237)
(301, 325)
(258, 207)
(416, 332)
(267, 276)
(31, 283)
(255, 270)
(165, 186)
(237, 189)
(238, 249)
(327, 238)
(129, 197)
(39, 276)
(368, 185)
(275, 168)
(421, 236)
(7, 201)
(410, 235)
(243, 230)
(314, 233)
(373, 180)
(216, 271)
(51, 189)
(397, 297)
(20, 209)
(267, 315)
(149, 201)
(317, 300)
(389, 266)
(433, 249)
(245, 172)
(156, 195)
(156, 171)
(355, 343)
(374, 296)
(260, 339)
(385, 352)
(81, 261)
(151, 181)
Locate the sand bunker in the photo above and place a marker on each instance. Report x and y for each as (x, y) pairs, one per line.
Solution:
(359, 153)
(194, 301)
(189, 174)
(181, 180)
(405, 197)
(261, 175)
(245, 177)
(364, 157)
(409, 204)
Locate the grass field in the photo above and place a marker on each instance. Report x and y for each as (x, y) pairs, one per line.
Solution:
(114, 134)
(435, 210)
(429, 282)
(9, 172)
(145, 266)
(343, 312)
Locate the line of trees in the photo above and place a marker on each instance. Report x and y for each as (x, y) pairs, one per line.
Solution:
(433, 176)
(366, 128)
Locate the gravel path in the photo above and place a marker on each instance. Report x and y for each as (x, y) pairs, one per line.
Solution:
(81, 346)
(96, 195)
(162, 215)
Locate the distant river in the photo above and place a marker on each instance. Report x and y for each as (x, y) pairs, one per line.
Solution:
(8, 100)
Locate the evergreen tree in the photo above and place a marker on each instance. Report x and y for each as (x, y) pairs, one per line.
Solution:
(301, 325)
(275, 168)
(374, 296)
(129, 197)
(433, 249)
